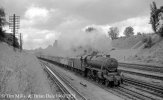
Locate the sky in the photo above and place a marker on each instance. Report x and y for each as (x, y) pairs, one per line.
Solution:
(44, 21)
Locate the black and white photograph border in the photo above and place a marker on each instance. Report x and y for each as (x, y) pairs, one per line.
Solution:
(81, 49)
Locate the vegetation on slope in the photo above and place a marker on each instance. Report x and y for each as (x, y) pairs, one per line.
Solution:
(21, 74)
(6, 37)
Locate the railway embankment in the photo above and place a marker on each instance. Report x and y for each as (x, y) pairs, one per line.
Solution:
(133, 50)
(21, 76)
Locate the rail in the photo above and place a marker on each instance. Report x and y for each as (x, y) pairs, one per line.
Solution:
(150, 88)
(152, 68)
(65, 87)
(142, 73)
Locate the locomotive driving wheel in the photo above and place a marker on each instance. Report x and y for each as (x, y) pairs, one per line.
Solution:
(83, 73)
(111, 84)
(118, 83)
(89, 74)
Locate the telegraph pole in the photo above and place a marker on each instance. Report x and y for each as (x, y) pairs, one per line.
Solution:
(20, 42)
(14, 31)
(14, 22)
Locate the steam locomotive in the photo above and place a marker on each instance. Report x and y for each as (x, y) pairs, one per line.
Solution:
(102, 69)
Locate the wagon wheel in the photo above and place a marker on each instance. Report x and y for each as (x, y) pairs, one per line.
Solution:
(116, 82)
(106, 83)
(89, 74)
(95, 78)
(111, 84)
(83, 73)
(119, 82)
(122, 81)
(103, 82)
(98, 80)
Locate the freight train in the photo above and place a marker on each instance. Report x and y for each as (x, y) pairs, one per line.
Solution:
(100, 68)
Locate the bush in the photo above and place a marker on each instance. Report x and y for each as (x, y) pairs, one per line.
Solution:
(138, 33)
(113, 49)
(9, 40)
(148, 42)
(145, 39)
(2, 35)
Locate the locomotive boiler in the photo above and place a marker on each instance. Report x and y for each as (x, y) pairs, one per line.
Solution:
(100, 62)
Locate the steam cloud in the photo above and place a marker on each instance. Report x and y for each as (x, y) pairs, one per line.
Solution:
(78, 42)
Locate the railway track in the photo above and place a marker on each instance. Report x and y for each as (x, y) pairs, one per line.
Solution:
(124, 91)
(144, 67)
(142, 73)
(144, 86)
(132, 94)
(156, 88)
(69, 92)
(127, 93)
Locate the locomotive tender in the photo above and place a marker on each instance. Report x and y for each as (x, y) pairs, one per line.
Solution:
(100, 68)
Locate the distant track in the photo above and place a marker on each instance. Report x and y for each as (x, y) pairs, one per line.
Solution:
(149, 75)
(152, 68)
(64, 86)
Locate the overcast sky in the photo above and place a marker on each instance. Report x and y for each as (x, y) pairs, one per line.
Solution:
(43, 21)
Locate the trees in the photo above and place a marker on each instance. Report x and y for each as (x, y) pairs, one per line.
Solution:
(139, 33)
(113, 33)
(2, 22)
(2, 17)
(153, 17)
(8, 38)
(156, 19)
(128, 31)
(90, 29)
